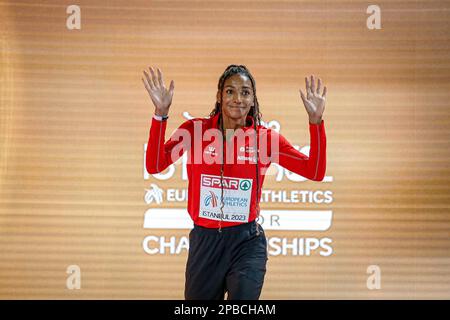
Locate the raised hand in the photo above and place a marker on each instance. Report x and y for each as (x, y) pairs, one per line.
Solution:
(314, 101)
(161, 97)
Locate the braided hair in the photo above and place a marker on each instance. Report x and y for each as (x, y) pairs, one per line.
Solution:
(254, 112)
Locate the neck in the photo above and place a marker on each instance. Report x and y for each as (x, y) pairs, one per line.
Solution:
(229, 123)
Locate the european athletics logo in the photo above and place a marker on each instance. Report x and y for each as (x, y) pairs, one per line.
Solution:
(211, 199)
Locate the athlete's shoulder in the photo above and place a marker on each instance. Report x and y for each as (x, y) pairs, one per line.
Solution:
(263, 130)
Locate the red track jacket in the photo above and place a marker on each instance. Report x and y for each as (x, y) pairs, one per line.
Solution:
(204, 165)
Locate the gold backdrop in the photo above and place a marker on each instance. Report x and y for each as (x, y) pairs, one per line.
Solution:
(75, 118)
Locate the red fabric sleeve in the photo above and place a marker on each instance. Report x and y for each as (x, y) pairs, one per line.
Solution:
(159, 155)
(312, 167)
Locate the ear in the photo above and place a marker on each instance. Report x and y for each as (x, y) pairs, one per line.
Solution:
(218, 97)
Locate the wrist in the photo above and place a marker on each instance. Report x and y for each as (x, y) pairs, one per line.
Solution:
(161, 113)
(160, 118)
(315, 120)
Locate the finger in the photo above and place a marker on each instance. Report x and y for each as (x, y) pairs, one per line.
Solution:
(172, 86)
(302, 95)
(150, 92)
(149, 81)
(319, 83)
(145, 85)
(313, 85)
(324, 94)
(306, 103)
(160, 78)
(307, 85)
(155, 81)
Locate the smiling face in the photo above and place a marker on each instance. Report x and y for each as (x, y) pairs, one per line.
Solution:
(237, 97)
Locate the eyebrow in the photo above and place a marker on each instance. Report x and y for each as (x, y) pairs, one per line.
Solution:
(244, 87)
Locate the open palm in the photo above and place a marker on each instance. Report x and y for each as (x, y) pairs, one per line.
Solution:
(160, 95)
(314, 102)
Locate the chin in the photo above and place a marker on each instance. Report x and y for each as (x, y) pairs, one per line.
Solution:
(237, 113)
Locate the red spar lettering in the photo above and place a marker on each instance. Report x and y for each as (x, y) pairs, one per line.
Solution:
(214, 182)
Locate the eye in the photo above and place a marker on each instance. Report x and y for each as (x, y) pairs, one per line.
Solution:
(229, 91)
(246, 93)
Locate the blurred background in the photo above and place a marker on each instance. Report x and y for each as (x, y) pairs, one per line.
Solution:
(75, 118)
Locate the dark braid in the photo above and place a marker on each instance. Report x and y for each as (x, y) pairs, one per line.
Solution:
(256, 114)
(257, 169)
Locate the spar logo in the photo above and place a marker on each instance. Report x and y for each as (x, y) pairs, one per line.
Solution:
(228, 183)
(211, 199)
(214, 182)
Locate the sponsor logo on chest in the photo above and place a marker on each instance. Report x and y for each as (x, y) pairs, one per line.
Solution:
(214, 182)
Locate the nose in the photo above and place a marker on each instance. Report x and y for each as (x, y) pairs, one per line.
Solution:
(238, 98)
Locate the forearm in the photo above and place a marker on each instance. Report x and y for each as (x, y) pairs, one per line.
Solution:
(155, 155)
(317, 154)
(311, 167)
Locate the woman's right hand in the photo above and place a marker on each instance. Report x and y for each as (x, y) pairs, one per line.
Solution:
(161, 97)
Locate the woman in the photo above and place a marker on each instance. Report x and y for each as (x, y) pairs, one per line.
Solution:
(227, 247)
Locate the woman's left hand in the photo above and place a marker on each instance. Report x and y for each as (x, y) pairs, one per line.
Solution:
(314, 102)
